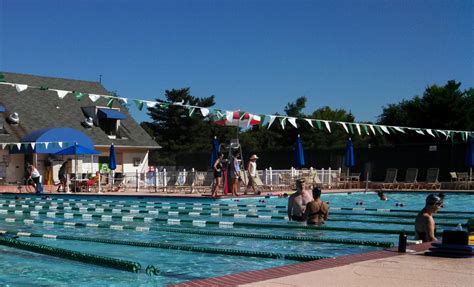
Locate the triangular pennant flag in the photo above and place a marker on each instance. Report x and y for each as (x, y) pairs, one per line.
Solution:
(372, 129)
(377, 128)
(4, 145)
(451, 135)
(270, 122)
(2, 77)
(33, 146)
(60, 144)
(282, 122)
(153, 104)
(351, 129)
(442, 132)
(94, 97)
(79, 95)
(139, 104)
(293, 122)
(18, 145)
(419, 132)
(436, 133)
(125, 100)
(318, 123)
(229, 116)
(344, 126)
(358, 128)
(430, 132)
(20, 88)
(46, 145)
(399, 129)
(310, 122)
(110, 102)
(190, 110)
(255, 120)
(262, 120)
(7, 84)
(61, 93)
(467, 135)
(463, 136)
(384, 128)
(44, 88)
(328, 127)
(204, 112)
(366, 129)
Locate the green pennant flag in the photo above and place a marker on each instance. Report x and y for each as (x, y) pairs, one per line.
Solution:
(79, 96)
(282, 122)
(2, 77)
(436, 133)
(392, 130)
(318, 123)
(164, 106)
(139, 104)
(366, 129)
(110, 103)
(190, 110)
(451, 136)
(262, 120)
(379, 130)
(241, 115)
(44, 88)
(351, 129)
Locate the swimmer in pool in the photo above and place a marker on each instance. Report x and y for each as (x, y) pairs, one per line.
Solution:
(425, 227)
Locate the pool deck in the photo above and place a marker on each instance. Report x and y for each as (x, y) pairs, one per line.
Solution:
(377, 268)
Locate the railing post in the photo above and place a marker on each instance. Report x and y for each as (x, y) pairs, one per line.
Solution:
(265, 172)
(136, 180)
(329, 176)
(271, 176)
(323, 180)
(193, 174)
(165, 182)
(156, 179)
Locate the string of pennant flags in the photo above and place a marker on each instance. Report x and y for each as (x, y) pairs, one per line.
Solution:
(33, 145)
(245, 119)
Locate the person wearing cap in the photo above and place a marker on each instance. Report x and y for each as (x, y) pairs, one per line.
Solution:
(252, 170)
(425, 227)
(317, 210)
(297, 202)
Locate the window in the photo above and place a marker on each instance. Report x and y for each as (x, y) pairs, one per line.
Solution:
(109, 120)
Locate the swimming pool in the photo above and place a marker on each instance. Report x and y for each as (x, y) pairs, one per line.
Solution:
(197, 238)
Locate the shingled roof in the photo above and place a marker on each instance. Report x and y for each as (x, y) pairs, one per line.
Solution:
(38, 109)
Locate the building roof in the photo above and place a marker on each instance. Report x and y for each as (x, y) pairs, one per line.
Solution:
(39, 109)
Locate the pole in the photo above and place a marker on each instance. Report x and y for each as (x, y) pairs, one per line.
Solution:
(136, 180)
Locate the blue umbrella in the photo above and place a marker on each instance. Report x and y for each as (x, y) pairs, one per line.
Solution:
(215, 151)
(112, 158)
(349, 159)
(298, 159)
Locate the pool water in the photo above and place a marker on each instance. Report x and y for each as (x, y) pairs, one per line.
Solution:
(215, 225)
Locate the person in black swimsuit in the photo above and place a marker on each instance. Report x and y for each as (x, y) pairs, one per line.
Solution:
(425, 227)
(317, 210)
(217, 175)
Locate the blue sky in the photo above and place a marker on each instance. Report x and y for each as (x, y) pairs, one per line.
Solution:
(252, 55)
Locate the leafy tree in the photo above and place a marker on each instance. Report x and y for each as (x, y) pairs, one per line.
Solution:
(440, 107)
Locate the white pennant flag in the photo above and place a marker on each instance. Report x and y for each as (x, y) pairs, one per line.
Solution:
(8, 84)
(430, 132)
(420, 132)
(151, 104)
(384, 128)
(293, 122)
(399, 129)
(46, 145)
(270, 122)
(229, 116)
(344, 126)
(4, 145)
(18, 145)
(358, 128)
(447, 134)
(94, 97)
(372, 129)
(442, 132)
(310, 122)
(20, 88)
(60, 144)
(33, 145)
(61, 93)
(326, 123)
(282, 123)
(125, 100)
(204, 112)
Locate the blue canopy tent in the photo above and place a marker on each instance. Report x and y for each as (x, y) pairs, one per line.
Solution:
(470, 157)
(215, 151)
(349, 160)
(298, 158)
(76, 150)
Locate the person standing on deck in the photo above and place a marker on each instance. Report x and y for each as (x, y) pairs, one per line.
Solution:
(217, 175)
(297, 202)
(252, 171)
(425, 226)
(235, 173)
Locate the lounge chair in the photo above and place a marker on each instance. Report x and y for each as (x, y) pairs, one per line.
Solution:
(390, 181)
(203, 181)
(186, 181)
(431, 181)
(410, 179)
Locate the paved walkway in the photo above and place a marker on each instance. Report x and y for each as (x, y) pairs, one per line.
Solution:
(405, 270)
